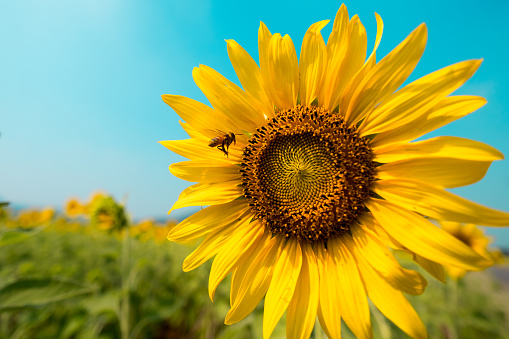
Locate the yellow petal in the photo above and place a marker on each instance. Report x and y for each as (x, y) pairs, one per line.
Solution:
(301, 313)
(249, 75)
(227, 97)
(207, 194)
(313, 61)
(382, 260)
(353, 304)
(379, 32)
(352, 117)
(437, 203)
(264, 37)
(445, 111)
(205, 171)
(328, 312)
(438, 171)
(391, 302)
(251, 279)
(445, 146)
(200, 116)
(423, 238)
(369, 225)
(210, 246)
(352, 69)
(405, 105)
(386, 76)
(194, 149)
(283, 68)
(239, 245)
(337, 46)
(282, 286)
(208, 220)
(193, 133)
(433, 268)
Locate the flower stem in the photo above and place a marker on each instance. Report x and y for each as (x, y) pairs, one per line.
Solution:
(317, 332)
(125, 291)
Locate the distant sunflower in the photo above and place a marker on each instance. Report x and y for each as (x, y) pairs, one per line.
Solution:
(314, 178)
(106, 214)
(473, 237)
(73, 207)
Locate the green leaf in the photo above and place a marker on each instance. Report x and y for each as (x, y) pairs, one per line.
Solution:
(37, 292)
(12, 237)
(103, 303)
(73, 326)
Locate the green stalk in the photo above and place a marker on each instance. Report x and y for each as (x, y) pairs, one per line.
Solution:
(317, 331)
(125, 273)
(383, 325)
(454, 304)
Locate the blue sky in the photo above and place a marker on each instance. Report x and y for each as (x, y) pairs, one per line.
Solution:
(80, 86)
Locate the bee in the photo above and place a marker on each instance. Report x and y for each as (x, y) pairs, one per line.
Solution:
(223, 141)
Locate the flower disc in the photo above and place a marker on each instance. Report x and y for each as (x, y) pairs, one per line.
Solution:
(307, 174)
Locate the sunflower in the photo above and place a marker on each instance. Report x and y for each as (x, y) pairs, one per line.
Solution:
(73, 208)
(313, 178)
(33, 218)
(106, 214)
(473, 237)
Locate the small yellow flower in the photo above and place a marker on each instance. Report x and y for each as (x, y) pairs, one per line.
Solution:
(144, 230)
(474, 238)
(33, 218)
(161, 231)
(73, 208)
(46, 215)
(146, 225)
(311, 175)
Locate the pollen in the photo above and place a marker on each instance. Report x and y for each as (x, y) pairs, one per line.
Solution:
(307, 174)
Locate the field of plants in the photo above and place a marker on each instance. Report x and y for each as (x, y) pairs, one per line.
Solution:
(91, 273)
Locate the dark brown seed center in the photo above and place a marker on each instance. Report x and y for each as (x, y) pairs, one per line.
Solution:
(307, 174)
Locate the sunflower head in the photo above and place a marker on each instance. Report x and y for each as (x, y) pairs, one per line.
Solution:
(306, 174)
(46, 215)
(473, 237)
(309, 178)
(74, 208)
(106, 214)
(93, 199)
(32, 218)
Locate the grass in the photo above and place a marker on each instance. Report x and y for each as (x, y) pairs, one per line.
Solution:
(164, 302)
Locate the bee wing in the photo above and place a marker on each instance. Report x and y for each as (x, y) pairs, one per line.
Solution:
(216, 132)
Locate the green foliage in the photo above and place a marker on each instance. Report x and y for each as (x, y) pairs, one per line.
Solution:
(8, 237)
(74, 289)
(62, 284)
(4, 214)
(470, 308)
(26, 293)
